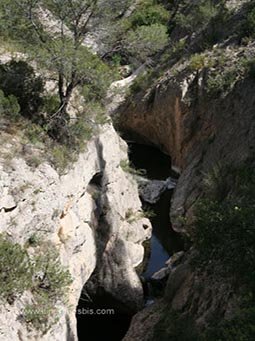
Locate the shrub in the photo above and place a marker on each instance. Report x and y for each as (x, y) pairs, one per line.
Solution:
(221, 82)
(50, 104)
(249, 24)
(239, 327)
(199, 61)
(199, 15)
(50, 277)
(34, 133)
(33, 240)
(128, 168)
(17, 78)
(61, 157)
(147, 13)
(249, 65)
(145, 41)
(224, 230)
(42, 274)
(15, 269)
(50, 286)
(175, 327)
(80, 132)
(9, 106)
(41, 315)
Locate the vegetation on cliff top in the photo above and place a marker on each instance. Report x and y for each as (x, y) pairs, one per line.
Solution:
(50, 36)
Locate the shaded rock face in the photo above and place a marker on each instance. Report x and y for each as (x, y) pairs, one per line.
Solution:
(196, 131)
(187, 293)
(88, 229)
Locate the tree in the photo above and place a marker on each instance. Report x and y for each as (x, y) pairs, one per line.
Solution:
(60, 27)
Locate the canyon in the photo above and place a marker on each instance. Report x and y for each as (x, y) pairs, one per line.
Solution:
(122, 214)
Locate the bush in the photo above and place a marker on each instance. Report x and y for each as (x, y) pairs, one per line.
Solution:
(199, 15)
(50, 278)
(224, 230)
(42, 274)
(145, 41)
(199, 61)
(15, 269)
(51, 104)
(240, 327)
(9, 106)
(249, 25)
(50, 286)
(128, 168)
(34, 133)
(17, 78)
(147, 13)
(61, 157)
(175, 327)
(249, 65)
(221, 82)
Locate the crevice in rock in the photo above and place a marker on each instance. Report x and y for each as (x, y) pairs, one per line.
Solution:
(8, 209)
(105, 309)
(99, 313)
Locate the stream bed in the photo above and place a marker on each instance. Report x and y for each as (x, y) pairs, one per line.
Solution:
(164, 241)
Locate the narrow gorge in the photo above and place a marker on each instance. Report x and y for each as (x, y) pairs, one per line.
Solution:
(127, 170)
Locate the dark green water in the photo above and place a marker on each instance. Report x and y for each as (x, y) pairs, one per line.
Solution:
(164, 241)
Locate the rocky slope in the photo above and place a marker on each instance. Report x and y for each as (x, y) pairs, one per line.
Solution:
(200, 110)
(63, 210)
(177, 116)
(203, 126)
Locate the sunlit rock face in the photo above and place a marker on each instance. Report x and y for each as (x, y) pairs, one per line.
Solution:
(90, 231)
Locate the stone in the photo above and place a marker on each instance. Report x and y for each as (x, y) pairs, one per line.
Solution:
(62, 210)
(151, 190)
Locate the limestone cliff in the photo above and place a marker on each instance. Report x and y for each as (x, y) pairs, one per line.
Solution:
(63, 210)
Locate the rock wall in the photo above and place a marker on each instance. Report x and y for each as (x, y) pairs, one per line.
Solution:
(63, 210)
(198, 132)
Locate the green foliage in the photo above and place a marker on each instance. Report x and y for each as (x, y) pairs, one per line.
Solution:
(41, 315)
(14, 26)
(50, 285)
(50, 104)
(249, 65)
(18, 79)
(248, 29)
(238, 328)
(55, 278)
(34, 133)
(148, 13)
(141, 82)
(175, 327)
(224, 227)
(199, 15)
(34, 240)
(200, 61)
(128, 168)
(9, 106)
(42, 274)
(221, 82)
(61, 157)
(145, 41)
(80, 132)
(15, 269)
